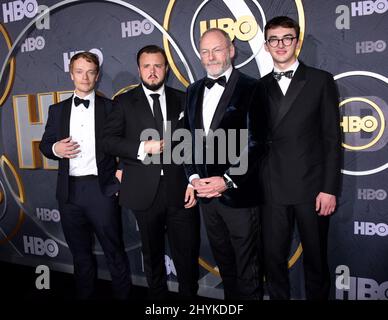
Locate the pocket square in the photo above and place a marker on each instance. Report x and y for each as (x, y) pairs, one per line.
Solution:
(181, 115)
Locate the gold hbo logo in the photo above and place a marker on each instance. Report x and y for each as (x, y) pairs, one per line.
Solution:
(244, 28)
(362, 123)
(363, 117)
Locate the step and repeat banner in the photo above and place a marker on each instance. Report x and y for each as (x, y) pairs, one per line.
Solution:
(346, 38)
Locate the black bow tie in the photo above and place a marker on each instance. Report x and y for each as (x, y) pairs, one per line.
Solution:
(279, 75)
(211, 82)
(78, 101)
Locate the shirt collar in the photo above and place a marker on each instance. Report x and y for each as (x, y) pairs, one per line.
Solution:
(148, 92)
(91, 96)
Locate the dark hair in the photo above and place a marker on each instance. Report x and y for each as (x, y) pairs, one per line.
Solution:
(282, 21)
(223, 32)
(151, 49)
(88, 56)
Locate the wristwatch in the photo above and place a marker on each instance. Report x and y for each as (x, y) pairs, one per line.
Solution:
(228, 183)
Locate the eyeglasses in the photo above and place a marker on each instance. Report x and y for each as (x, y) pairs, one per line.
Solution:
(216, 51)
(286, 41)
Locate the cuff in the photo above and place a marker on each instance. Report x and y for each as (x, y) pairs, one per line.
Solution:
(53, 150)
(140, 152)
(193, 176)
(229, 179)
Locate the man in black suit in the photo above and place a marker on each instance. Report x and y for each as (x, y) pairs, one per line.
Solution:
(218, 105)
(301, 172)
(155, 189)
(86, 184)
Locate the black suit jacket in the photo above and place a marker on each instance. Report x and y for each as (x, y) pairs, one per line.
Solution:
(132, 114)
(58, 128)
(304, 137)
(232, 112)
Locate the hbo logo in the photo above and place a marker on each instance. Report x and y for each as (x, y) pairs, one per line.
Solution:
(44, 214)
(40, 247)
(363, 289)
(136, 28)
(356, 124)
(244, 29)
(370, 194)
(370, 228)
(364, 8)
(17, 10)
(67, 56)
(370, 46)
(32, 44)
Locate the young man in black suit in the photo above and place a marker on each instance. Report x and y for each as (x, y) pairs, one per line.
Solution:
(221, 103)
(301, 172)
(156, 191)
(86, 184)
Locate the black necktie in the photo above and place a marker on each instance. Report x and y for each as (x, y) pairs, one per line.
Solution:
(158, 114)
(209, 83)
(279, 75)
(78, 101)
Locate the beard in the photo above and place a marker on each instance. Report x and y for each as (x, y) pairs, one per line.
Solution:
(152, 86)
(221, 67)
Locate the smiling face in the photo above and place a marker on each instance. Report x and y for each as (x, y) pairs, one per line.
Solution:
(152, 70)
(216, 53)
(84, 75)
(283, 56)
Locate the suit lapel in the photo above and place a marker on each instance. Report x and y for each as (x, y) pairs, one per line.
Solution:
(297, 83)
(142, 108)
(275, 97)
(65, 118)
(195, 108)
(172, 108)
(225, 99)
(99, 115)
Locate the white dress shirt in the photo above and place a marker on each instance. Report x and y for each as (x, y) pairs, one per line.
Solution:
(284, 82)
(211, 97)
(82, 131)
(162, 99)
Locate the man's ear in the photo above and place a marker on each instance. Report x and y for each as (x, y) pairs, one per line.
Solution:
(232, 51)
(266, 46)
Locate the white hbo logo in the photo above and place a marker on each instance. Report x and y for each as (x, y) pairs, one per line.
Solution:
(170, 267)
(370, 46)
(370, 229)
(32, 44)
(136, 28)
(364, 8)
(45, 214)
(17, 10)
(356, 288)
(67, 56)
(40, 247)
(359, 8)
(371, 194)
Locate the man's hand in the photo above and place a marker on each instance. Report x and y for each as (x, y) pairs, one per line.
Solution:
(325, 204)
(67, 148)
(119, 175)
(190, 198)
(209, 187)
(153, 146)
